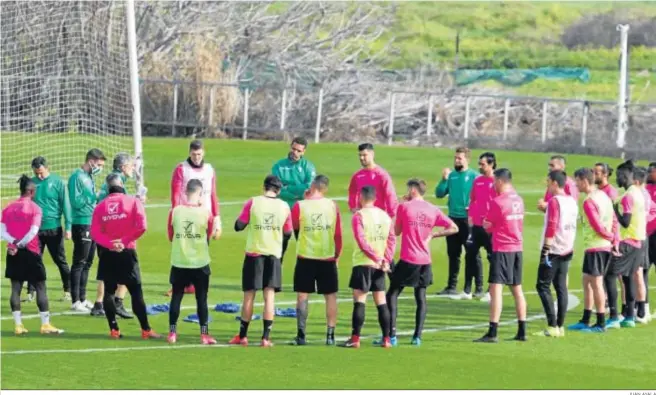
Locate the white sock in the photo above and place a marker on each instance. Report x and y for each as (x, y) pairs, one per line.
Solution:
(45, 317)
(17, 317)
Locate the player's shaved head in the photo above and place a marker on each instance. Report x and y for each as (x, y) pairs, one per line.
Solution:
(640, 174)
(321, 183)
(503, 175)
(114, 183)
(194, 186)
(557, 162)
(367, 194)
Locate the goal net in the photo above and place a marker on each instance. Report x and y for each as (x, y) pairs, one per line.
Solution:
(65, 85)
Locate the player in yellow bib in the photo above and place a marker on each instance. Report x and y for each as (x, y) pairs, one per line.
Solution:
(270, 222)
(190, 228)
(318, 229)
(375, 240)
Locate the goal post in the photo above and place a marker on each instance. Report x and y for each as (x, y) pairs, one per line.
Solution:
(68, 83)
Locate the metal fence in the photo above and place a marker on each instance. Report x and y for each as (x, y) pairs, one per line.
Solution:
(568, 120)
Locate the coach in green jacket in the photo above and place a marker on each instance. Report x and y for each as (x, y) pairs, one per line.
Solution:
(296, 174)
(457, 184)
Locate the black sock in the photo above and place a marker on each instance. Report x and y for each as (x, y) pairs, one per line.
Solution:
(267, 324)
(173, 328)
(613, 312)
(204, 330)
(118, 301)
(601, 320)
(243, 329)
(301, 318)
(384, 319)
(586, 316)
(641, 309)
(521, 328)
(624, 309)
(358, 318)
(492, 332)
(330, 333)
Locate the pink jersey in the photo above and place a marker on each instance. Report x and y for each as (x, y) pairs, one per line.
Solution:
(296, 223)
(19, 216)
(591, 211)
(610, 191)
(570, 189)
(118, 217)
(651, 225)
(415, 221)
(361, 240)
(505, 221)
(385, 193)
(207, 176)
(481, 196)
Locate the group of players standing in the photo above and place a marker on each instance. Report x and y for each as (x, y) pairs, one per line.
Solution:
(484, 211)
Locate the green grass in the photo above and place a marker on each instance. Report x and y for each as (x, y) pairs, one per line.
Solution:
(447, 359)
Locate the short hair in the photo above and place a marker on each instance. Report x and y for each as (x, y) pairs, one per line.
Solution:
(193, 186)
(120, 160)
(560, 158)
(640, 174)
(503, 174)
(559, 177)
(607, 169)
(464, 150)
(419, 185)
(629, 166)
(38, 162)
(368, 193)
(586, 174)
(365, 147)
(272, 183)
(321, 182)
(113, 180)
(490, 158)
(300, 141)
(95, 154)
(25, 184)
(195, 145)
(652, 166)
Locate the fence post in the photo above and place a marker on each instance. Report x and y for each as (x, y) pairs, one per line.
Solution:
(506, 110)
(390, 130)
(283, 109)
(584, 122)
(210, 116)
(467, 106)
(175, 108)
(545, 107)
(247, 98)
(317, 131)
(429, 121)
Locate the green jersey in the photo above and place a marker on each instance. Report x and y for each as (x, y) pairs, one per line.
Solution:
(51, 197)
(104, 189)
(82, 195)
(458, 186)
(296, 178)
(188, 227)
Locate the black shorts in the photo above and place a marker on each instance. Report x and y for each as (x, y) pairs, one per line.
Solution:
(313, 275)
(652, 249)
(260, 272)
(410, 275)
(626, 264)
(183, 277)
(367, 279)
(99, 250)
(595, 263)
(506, 268)
(25, 266)
(645, 254)
(119, 267)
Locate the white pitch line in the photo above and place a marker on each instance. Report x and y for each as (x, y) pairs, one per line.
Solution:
(573, 302)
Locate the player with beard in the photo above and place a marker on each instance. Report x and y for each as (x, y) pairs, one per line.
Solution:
(558, 162)
(602, 173)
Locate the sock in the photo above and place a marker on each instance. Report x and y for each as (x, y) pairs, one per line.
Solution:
(204, 330)
(173, 328)
(613, 313)
(551, 320)
(118, 301)
(586, 316)
(113, 325)
(267, 328)
(521, 328)
(45, 317)
(492, 332)
(358, 318)
(18, 320)
(301, 318)
(384, 319)
(641, 309)
(624, 310)
(330, 333)
(243, 329)
(601, 320)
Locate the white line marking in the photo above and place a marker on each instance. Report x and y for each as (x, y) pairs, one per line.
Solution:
(573, 302)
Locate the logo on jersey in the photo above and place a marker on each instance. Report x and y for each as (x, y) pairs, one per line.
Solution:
(317, 222)
(189, 231)
(517, 212)
(268, 223)
(113, 213)
(421, 221)
(378, 233)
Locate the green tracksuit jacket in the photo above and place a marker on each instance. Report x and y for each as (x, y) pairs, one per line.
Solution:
(82, 195)
(51, 197)
(296, 178)
(458, 186)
